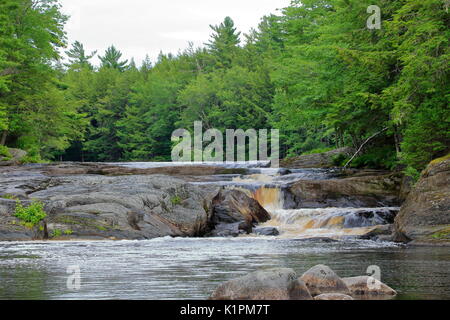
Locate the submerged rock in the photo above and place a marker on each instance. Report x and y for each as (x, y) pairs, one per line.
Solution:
(425, 216)
(366, 286)
(272, 284)
(333, 296)
(321, 279)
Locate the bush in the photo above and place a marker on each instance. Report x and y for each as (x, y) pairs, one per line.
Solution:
(56, 233)
(4, 152)
(31, 215)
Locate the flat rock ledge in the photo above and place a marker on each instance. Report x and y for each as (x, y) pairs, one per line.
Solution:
(318, 283)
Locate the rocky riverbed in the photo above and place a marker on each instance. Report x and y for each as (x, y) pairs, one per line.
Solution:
(146, 201)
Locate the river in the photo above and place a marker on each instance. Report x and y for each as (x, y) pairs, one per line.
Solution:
(182, 268)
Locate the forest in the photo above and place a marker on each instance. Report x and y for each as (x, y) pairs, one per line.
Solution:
(314, 71)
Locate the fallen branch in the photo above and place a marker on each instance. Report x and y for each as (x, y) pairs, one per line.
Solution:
(362, 146)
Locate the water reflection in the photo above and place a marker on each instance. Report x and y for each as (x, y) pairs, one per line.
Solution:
(192, 268)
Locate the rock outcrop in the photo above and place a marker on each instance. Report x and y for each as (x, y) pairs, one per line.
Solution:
(272, 284)
(365, 287)
(103, 207)
(366, 189)
(317, 160)
(321, 279)
(425, 215)
(234, 213)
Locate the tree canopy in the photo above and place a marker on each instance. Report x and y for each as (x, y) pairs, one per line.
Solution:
(314, 71)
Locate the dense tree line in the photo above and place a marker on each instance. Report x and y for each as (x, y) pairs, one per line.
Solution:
(315, 71)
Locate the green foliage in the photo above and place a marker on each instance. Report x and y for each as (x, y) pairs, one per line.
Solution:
(68, 232)
(32, 214)
(314, 71)
(56, 233)
(111, 59)
(4, 152)
(316, 151)
(176, 200)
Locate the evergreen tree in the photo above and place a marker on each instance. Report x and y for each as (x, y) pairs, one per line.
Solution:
(78, 58)
(111, 59)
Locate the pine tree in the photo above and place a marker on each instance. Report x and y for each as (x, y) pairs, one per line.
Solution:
(224, 42)
(111, 59)
(78, 58)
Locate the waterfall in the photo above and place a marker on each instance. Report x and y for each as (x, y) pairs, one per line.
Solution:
(271, 198)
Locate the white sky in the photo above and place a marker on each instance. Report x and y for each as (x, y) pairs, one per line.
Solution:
(140, 27)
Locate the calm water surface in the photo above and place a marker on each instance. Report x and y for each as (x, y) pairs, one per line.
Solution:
(192, 268)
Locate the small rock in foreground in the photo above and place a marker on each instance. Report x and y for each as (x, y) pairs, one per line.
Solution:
(321, 279)
(271, 284)
(333, 296)
(368, 286)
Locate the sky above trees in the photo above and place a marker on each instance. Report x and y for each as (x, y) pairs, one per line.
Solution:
(141, 27)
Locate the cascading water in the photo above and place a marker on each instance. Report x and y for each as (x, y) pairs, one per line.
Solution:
(269, 189)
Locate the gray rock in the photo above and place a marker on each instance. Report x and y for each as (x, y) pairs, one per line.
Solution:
(321, 279)
(368, 286)
(16, 156)
(233, 211)
(266, 231)
(333, 296)
(425, 216)
(272, 284)
(97, 206)
(318, 160)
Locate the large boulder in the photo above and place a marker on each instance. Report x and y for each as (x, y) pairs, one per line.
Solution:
(318, 160)
(321, 279)
(425, 215)
(333, 296)
(233, 208)
(367, 189)
(272, 284)
(366, 287)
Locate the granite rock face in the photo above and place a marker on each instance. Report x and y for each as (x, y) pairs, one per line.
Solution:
(425, 215)
(102, 207)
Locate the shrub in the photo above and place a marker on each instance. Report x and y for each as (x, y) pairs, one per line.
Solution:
(176, 200)
(56, 233)
(4, 152)
(31, 215)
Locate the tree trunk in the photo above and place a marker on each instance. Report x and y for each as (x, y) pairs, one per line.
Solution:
(3, 137)
(362, 146)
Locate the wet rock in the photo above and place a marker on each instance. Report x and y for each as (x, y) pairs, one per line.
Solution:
(318, 160)
(366, 286)
(230, 229)
(382, 233)
(234, 206)
(266, 231)
(272, 284)
(333, 296)
(321, 279)
(425, 216)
